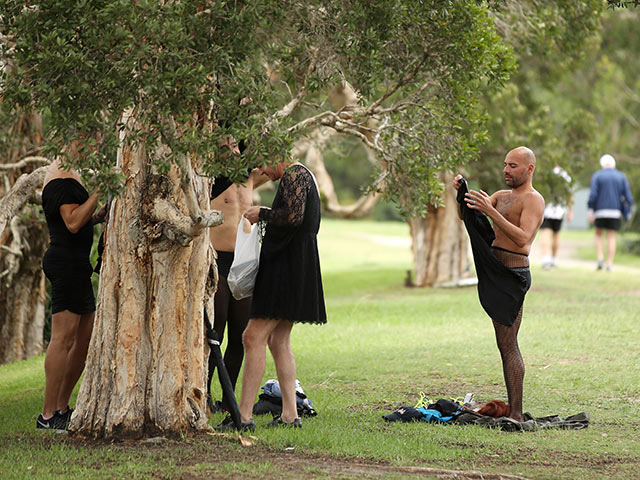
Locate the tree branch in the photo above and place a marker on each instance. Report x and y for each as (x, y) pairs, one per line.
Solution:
(400, 83)
(302, 92)
(174, 224)
(20, 194)
(25, 162)
(201, 218)
(14, 250)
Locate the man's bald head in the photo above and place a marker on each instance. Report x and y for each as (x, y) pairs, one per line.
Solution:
(525, 154)
(519, 165)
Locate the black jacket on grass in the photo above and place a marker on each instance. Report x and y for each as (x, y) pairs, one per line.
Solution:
(500, 289)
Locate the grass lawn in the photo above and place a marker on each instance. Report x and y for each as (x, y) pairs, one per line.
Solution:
(382, 346)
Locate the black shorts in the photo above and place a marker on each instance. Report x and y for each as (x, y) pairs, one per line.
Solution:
(608, 223)
(225, 259)
(552, 223)
(71, 287)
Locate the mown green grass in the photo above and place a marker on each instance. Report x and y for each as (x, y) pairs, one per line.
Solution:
(382, 346)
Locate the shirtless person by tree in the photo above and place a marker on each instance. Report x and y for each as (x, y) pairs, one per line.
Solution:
(516, 215)
(232, 200)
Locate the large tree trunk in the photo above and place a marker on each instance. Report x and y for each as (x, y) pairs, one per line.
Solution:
(22, 245)
(145, 373)
(440, 244)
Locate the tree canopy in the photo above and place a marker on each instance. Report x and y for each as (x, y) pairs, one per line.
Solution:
(418, 68)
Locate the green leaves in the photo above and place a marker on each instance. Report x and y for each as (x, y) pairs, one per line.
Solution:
(198, 72)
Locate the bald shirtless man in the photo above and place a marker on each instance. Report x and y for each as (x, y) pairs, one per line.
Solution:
(232, 200)
(516, 215)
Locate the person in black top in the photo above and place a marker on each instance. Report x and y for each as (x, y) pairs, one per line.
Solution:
(288, 287)
(69, 211)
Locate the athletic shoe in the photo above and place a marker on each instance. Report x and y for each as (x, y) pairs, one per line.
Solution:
(53, 423)
(64, 418)
(228, 425)
(600, 265)
(278, 422)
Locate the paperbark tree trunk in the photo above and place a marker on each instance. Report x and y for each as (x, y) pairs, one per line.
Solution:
(440, 244)
(22, 287)
(22, 245)
(145, 373)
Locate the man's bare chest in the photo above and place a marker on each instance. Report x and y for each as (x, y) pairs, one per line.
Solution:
(510, 207)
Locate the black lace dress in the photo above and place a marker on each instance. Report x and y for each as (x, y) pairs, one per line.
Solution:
(289, 283)
(66, 262)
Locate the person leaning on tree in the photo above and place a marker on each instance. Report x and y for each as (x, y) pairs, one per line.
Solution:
(69, 212)
(516, 214)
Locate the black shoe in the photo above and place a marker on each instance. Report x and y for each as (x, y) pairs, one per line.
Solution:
(64, 418)
(54, 423)
(46, 424)
(227, 425)
(278, 422)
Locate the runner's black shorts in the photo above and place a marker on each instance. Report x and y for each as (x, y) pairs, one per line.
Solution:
(552, 223)
(608, 223)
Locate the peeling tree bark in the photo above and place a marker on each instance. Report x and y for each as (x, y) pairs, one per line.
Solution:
(22, 288)
(145, 373)
(440, 244)
(23, 241)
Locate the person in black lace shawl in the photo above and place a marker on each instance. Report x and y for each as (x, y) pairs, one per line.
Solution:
(69, 211)
(288, 287)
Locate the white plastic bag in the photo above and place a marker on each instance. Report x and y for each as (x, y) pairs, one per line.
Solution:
(246, 257)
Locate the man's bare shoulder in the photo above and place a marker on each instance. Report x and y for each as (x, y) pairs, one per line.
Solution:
(500, 193)
(534, 196)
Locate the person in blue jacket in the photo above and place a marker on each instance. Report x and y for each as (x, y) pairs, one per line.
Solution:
(610, 200)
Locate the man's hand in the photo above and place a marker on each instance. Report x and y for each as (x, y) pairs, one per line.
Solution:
(252, 214)
(478, 201)
(456, 181)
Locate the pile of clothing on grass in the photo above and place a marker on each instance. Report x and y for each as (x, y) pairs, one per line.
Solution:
(494, 414)
(270, 400)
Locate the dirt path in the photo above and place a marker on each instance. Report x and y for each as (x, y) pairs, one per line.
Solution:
(567, 256)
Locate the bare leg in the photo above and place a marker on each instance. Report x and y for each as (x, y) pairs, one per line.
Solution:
(63, 332)
(255, 339)
(598, 241)
(512, 364)
(555, 241)
(611, 247)
(76, 359)
(280, 346)
(545, 245)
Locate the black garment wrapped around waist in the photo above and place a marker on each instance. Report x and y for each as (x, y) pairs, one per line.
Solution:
(503, 276)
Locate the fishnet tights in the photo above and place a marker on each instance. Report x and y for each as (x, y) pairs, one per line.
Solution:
(507, 339)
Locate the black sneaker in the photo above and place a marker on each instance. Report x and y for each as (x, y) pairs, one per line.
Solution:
(278, 422)
(64, 418)
(48, 424)
(227, 425)
(54, 423)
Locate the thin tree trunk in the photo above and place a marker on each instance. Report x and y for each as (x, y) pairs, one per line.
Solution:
(440, 244)
(145, 373)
